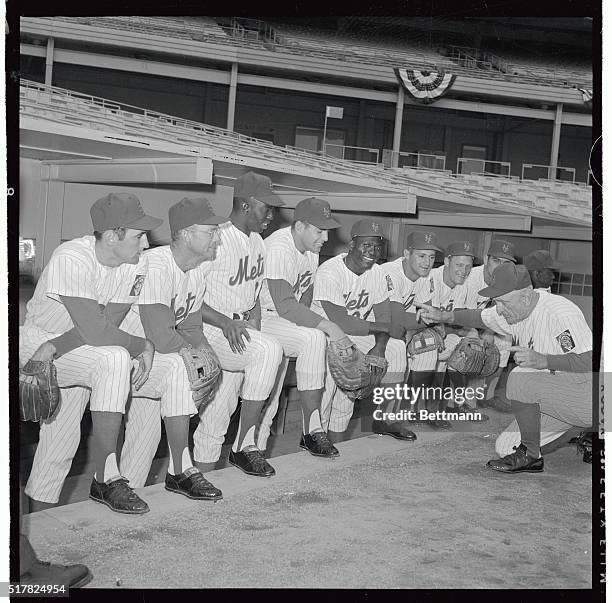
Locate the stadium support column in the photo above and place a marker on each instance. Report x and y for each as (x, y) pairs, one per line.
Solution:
(49, 62)
(397, 130)
(231, 101)
(554, 148)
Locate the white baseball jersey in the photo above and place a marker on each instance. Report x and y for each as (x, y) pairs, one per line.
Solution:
(475, 282)
(555, 326)
(442, 295)
(167, 284)
(74, 271)
(284, 261)
(404, 290)
(335, 283)
(234, 278)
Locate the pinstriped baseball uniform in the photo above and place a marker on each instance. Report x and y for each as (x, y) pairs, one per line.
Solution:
(475, 282)
(335, 283)
(555, 326)
(183, 293)
(406, 292)
(74, 271)
(233, 283)
(284, 261)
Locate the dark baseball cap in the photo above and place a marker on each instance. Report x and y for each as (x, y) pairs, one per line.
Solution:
(366, 228)
(188, 212)
(316, 212)
(505, 278)
(502, 249)
(422, 240)
(539, 259)
(460, 248)
(257, 186)
(121, 210)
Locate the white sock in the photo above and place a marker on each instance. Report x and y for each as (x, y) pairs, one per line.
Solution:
(248, 440)
(314, 423)
(111, 470)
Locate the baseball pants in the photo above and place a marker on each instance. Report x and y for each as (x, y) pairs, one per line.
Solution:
(565, 399)
(255, 370)
(336, 406)
(307, 346)
(165, 393)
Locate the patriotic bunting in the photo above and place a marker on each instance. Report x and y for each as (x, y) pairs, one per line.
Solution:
(425, 86)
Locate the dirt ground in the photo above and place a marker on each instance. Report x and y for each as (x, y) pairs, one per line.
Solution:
(427, 516)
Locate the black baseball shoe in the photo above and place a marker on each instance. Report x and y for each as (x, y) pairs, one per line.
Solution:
(440, 424)
(318, 444)
(117, 496)
(501, 405)
(192, 484)
(42, 572)
(395, 430)
(517, 462)
(252, 462)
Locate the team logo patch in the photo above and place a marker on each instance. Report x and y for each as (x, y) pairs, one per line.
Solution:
(506, 247)
(138, 283)
(467, 246)
(566, 341)
(376, 227)
(389, 283)
(428, 237)
(327, 212)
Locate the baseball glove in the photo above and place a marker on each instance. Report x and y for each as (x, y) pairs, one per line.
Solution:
(426, 340)
(203, 370)
(584, 446)
(39, 394)
(352, 370)
(472, 356)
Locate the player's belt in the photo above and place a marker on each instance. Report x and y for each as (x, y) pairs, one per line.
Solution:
(241, 315)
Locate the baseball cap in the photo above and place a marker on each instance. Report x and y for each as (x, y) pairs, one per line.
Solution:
(316, 212)
(366, 228)
(460, 248)
(188, 212)
(121, 210)
(505, 278)
(422, 240)
(538, 260)
(257, 186)
(502, 249)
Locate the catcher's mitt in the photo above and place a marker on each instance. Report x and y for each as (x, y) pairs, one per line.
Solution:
(472, 356)
(426, 340)
(203, 370)
(39, 394)
(353, 371)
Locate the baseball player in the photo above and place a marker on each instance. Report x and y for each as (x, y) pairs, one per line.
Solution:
(232, 317)
(88, 286)
(499, 252)
(551, 388)
(169, 314)
(450, 291)
(409, 277)
(540, 265)
(352, 291)
(292, 259)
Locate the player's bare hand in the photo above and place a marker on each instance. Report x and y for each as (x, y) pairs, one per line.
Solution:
(46, 351)
(235, 332)
(428, 314)
(379, 351)
(396, 330)
(331, 329)
(144, 364)
(528, 358)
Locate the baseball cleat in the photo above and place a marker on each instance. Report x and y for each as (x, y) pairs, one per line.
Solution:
(192, 484)
(440, 424)
(396, 430)
(43, 572)
(318, 444)
(517, 462)
(252, 462)
(117, 496)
